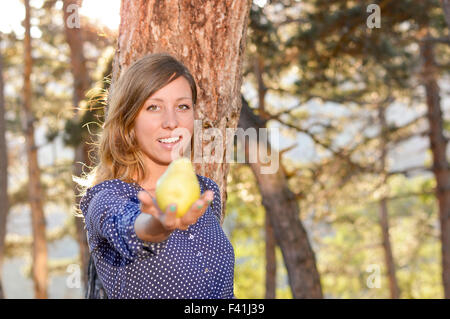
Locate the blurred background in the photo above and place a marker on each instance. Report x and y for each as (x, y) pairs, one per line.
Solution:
(359, 91)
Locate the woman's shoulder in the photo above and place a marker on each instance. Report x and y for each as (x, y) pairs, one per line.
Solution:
(113, 187)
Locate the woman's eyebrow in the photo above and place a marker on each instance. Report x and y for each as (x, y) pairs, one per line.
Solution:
(180, 98)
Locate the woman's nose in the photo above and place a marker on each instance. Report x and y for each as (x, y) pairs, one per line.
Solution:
(170, 120)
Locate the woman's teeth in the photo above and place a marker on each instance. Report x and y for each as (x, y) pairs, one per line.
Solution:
(169, 140)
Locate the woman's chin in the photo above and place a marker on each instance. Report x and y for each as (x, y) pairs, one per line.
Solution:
(166, 159)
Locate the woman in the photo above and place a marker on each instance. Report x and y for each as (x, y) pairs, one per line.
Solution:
(139, 251)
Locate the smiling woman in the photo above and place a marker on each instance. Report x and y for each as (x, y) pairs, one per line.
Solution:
(146, 106)
(139, 250)
(165, 118)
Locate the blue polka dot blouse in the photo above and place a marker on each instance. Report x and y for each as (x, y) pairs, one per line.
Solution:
(194, 263)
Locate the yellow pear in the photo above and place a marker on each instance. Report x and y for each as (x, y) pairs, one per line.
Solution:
(178, 185)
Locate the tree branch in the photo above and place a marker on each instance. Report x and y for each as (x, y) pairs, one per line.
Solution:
(409, 170)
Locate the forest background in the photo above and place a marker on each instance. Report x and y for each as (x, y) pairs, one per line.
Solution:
(359, 91)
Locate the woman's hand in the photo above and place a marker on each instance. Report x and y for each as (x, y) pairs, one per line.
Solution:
(168, 220)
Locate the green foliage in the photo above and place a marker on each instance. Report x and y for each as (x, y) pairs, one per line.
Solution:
(330, 55)
(354, 244)
(244, 223)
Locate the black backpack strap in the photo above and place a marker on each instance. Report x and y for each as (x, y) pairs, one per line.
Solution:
(95, 288)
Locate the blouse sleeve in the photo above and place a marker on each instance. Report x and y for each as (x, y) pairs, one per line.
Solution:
(217, 202)
(112, 217)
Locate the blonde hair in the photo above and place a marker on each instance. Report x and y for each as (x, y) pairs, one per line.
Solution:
(117, 153)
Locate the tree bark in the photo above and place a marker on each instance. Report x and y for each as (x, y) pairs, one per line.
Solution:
(388, 256)
(271, 260)
(438, 144)
(82, 82)
(281, 205)
(4, 203)
(384, 216)
(209, 38)
(39, 267)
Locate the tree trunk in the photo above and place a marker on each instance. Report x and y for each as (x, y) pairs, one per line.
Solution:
(388, 256)
(39, 267)
(282, 208)
(4, 203)
(384, 218)
(438, 145)
(82, 83)
(209, 38)
(271, 260)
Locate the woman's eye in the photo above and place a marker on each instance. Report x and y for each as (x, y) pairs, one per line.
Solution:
(152, 107)
(185, 107)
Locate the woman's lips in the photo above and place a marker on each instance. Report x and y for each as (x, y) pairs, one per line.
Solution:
(170, 146)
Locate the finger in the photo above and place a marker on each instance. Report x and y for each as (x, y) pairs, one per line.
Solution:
(145, 198)
(193, 214)
(189, 218)
(170, 218)
(204, 202)
(183, 226)
(208, 196)
(198, 208)
(147, 204)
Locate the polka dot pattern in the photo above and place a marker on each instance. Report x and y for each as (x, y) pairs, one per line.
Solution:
(194, 263)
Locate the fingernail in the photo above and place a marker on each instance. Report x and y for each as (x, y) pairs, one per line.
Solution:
(172, 208)
(200, 205)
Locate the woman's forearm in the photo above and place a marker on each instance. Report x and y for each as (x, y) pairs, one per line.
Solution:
(148, 228)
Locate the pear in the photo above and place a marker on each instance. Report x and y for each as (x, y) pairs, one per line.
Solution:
(178, 185)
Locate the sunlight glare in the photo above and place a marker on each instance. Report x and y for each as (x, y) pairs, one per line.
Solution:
(106, 12)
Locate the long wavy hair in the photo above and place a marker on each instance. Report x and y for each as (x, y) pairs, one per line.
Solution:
(117, 152)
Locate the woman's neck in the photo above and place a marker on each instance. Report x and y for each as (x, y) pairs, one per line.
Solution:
(155, 171)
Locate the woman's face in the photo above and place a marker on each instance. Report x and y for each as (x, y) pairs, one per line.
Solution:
(168, 113)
